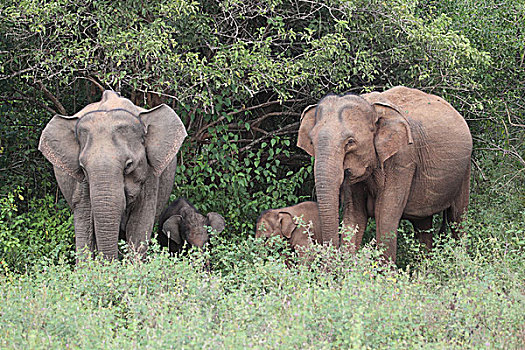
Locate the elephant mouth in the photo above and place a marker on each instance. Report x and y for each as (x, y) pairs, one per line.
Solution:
(359, 178)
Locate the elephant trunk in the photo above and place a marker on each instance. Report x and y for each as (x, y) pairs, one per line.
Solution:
(108, 203)
(328, 180)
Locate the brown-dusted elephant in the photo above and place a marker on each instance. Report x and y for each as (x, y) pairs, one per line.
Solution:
(182, 222)
(397, 154)
(115, 164)
(282, 222)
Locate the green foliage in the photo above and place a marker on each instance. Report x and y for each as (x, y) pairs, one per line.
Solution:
(455, 299)
(495, 106)
(21, 164)
(44, 231)
(239, 186)
(197, 48)
(239, 73)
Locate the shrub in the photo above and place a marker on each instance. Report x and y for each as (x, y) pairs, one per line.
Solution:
(251, 299)
(43, 231)
(219, 177)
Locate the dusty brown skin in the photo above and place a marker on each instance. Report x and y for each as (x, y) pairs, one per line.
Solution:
(115, 164)
(397, 154)
(281, 222)
(181, 222)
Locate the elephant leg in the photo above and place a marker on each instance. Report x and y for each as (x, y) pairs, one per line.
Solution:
(165, 186)
(423, 233)
(390, 204)
(83, 220)
(84, 236)
(142, 218)
(459, 206)
(355, 216)
(77, 196)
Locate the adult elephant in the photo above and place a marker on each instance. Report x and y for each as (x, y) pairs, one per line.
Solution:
(115, 164)
(397, 154)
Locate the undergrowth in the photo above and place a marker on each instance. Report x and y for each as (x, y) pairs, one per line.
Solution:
(465, 294)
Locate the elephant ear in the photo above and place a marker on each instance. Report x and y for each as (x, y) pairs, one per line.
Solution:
(216, 221)
(165, 133)
(171, 228)
(59, 145)
(307, 123)
(286, 223)
(393, 130)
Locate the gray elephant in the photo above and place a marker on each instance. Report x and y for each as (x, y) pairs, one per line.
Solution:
(115, 164)
(181, 222)
(397, 154)
(282, 222)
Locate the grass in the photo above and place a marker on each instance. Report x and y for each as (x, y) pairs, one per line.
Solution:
(456, 298)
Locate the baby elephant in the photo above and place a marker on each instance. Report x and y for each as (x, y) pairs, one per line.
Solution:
(181, 222)
(282, 222)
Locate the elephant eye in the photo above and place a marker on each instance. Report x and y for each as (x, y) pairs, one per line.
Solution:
(83, 169)
(129, 164)
(350, 143)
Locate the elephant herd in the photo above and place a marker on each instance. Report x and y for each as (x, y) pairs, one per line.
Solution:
(399, 154)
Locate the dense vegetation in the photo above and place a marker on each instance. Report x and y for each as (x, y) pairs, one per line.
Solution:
(454, 300)
(239, 73)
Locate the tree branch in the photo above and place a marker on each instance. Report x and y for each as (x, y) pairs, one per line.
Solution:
(52, 98)
(287, 129)
(199, 133)
(25, 98)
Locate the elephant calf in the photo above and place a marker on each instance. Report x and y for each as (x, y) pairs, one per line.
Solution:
(282, 222)
(181, 222)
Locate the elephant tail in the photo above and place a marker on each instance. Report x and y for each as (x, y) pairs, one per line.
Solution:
(444, 223)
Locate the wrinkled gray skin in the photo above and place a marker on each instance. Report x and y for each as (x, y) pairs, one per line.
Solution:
(397, 154)
(115, 164)
(181, 222)
(281, 222)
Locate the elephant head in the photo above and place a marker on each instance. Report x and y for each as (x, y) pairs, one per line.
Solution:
(182, 222)
(116, 147)
(350, 137)
(283, 222)
(275, 222)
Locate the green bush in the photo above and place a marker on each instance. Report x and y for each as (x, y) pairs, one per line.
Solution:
(44, 231)
(453, 300)
(239, 186)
